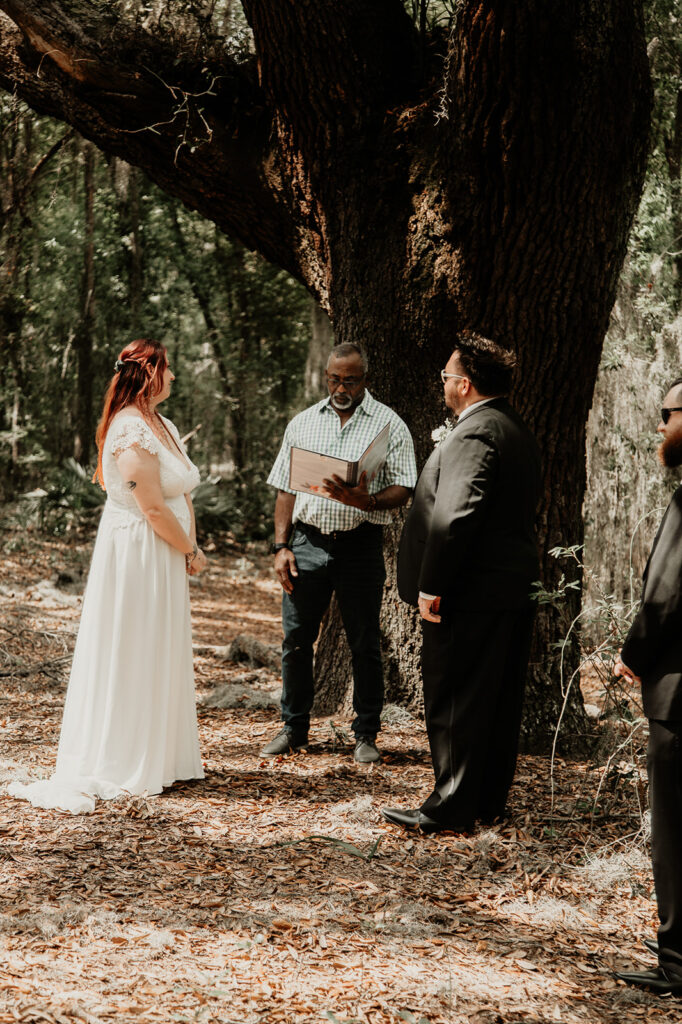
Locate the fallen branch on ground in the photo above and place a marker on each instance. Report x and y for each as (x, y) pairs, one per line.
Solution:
(43, 666)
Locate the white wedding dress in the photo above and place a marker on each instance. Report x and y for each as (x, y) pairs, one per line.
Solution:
(129, 720)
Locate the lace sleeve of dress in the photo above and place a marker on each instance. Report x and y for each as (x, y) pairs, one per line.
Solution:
(131, 431)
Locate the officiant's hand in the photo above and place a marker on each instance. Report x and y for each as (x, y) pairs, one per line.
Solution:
(286, 569)
(337, 489)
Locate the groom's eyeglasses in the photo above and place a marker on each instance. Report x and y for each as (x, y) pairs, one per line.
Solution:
(446, 376)
(666, 410)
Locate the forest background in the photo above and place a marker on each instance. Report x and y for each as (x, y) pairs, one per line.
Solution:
(94, 254)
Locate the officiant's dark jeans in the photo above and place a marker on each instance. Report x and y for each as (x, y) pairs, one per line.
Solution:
(349, 563)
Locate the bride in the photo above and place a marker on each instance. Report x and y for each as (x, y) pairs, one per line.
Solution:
(129, 720)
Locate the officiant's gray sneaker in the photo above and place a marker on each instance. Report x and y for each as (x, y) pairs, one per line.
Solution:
(284, 742)
(366, 750)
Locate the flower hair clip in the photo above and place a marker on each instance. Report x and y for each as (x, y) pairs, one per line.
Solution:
(118, 365)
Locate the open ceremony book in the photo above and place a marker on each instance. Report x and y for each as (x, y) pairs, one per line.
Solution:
(308, 470)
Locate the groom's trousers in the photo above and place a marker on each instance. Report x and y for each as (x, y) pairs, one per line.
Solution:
(474, 668)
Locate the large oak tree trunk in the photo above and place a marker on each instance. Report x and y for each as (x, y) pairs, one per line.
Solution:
(520, 236)
(416, 184)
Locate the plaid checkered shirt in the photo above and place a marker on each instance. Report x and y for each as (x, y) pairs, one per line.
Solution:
(319, 429)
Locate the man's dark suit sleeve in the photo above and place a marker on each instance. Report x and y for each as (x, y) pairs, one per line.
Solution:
(464, 485)
(659, 619)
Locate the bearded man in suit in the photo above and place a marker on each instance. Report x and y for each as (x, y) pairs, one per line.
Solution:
(652, 657)
(467, 559)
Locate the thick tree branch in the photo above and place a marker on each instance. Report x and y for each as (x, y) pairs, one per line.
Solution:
(203, 136)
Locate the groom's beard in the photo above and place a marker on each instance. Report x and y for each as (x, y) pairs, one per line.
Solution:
(670, 451)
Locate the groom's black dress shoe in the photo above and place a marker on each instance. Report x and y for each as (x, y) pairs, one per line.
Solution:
(658, 981)
(416, 819)
(651, 945)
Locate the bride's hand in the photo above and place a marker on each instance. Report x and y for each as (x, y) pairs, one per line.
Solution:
(198, 563)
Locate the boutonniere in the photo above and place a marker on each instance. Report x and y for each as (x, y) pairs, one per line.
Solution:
(440, 433)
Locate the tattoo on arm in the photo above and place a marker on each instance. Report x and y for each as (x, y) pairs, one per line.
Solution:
(131, 485)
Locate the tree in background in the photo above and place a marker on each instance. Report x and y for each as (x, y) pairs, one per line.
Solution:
(26, 155)
(417, 178)
(643, 348)
(665, 49)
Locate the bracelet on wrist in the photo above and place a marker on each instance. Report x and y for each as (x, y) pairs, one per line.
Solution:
(372, 504)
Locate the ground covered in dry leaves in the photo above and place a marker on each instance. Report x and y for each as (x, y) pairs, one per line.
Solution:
(273, 891)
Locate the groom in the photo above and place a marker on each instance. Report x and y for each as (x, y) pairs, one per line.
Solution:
(468, 558)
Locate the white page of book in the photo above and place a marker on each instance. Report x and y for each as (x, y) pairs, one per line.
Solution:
(375, 455)
(308, 470)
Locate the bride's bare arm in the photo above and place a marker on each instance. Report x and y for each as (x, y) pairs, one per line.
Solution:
(140, 472)
(192, 520)
(198, 562)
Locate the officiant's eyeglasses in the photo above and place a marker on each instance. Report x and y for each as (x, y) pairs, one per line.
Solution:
(348, 382)
(666, 410)
(446, 376)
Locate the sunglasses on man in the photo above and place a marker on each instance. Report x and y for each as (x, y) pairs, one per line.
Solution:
(667, 409)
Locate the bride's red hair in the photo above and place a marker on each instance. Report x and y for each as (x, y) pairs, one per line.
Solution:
(139, 377)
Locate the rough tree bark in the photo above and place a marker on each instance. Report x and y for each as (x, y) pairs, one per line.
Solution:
(416, 185)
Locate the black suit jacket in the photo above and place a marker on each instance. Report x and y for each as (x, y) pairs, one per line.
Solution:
(469, 535)
(653, 648)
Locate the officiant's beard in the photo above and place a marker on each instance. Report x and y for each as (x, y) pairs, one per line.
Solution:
(343, 402)
(670, 450)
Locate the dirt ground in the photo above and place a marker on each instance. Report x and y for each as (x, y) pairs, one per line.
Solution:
(273, 891)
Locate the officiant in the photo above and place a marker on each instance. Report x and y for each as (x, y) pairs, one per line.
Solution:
(330, 541)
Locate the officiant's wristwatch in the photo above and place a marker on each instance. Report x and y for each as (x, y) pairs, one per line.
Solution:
(274, 548)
